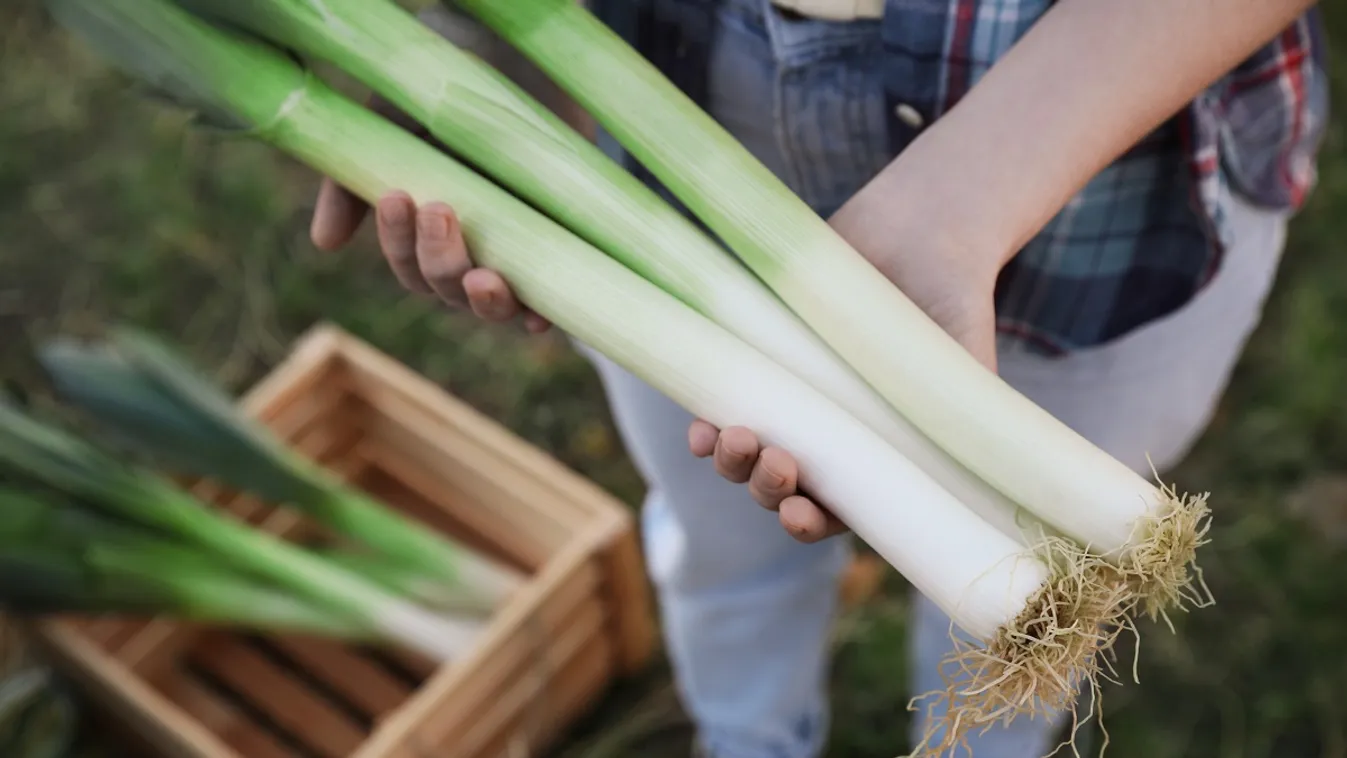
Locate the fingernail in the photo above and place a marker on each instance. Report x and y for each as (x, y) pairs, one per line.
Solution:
(490, 305)
(737, 447)
(774, 480)
(798, 531)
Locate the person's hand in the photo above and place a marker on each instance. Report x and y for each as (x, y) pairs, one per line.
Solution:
(424, 245)
(951, 278)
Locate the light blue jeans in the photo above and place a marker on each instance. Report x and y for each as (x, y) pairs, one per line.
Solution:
(747, 610)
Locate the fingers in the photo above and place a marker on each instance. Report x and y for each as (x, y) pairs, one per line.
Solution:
(736, 453)
(428, 254)
(489, 296)
(804, 520)
(336, 217)
(773, 478)
(774, 484)
(396, 220)
(441, 253)
(338, 212)
(536, 324)
(424, 247)
(737, 456)
(702, 438)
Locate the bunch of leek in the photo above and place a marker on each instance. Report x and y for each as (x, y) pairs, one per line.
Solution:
(1148, 532)
(153, 400)
(83, 530)
(505, 133)
(665, 305)
(492, 124)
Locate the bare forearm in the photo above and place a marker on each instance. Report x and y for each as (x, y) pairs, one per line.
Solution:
(1085, 84)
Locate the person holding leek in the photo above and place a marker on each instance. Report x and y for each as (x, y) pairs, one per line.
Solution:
(1090, 196)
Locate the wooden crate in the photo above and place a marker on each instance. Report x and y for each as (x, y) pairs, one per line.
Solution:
(582, 619)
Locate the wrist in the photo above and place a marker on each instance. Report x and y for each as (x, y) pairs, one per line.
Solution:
(909, 210)
(931, 251)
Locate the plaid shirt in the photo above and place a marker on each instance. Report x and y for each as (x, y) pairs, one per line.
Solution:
(1144, 236)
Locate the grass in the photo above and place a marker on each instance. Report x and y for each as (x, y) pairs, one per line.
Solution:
(110, 209)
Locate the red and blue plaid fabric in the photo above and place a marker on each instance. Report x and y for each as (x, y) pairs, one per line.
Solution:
(1144, 236)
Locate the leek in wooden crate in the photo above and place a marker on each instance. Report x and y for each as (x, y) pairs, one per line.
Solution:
(83, 530)
(151, 400)
(168, 687)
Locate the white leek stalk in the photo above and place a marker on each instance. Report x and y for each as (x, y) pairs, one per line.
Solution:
(501, 130)
(1000, 435)
(1039, 616)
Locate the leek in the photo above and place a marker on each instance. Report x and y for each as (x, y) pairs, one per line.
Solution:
(491, 123)
(1149, 532)
(40, 455)
(153, 400)
(1039, 616)
(62, 559)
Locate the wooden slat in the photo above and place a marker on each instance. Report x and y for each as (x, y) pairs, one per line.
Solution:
(371, 370)
(544, 645)
(357, 678)
(564, 583)
(420, 666)
(432, 508)
(111, 633)
(316, 408)
(312, 360)
(499, 504)
(522, 694)
(628, 593)
(222, 718)
(285, 700)
(571, 693)
(464, 511)
(451, 441)
(254, 742)
(128, 698)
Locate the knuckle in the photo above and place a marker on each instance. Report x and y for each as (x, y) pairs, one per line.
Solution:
(731, 469)
(399, 258)
(765, 498)
(443, 270)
